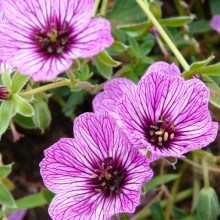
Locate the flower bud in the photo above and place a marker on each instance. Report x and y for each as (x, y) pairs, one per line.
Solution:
(42, 115)
(207, 205)
(155, 9)
(4, 92)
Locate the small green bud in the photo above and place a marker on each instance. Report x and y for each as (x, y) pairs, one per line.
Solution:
(207, 204)
(42, 115)
(155, 9)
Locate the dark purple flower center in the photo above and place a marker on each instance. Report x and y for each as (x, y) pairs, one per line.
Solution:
(53, 40)
(108, 179)
(161, 133)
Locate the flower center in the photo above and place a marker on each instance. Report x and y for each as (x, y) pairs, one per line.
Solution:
(161, 132)
(108, 179)
(53, 40)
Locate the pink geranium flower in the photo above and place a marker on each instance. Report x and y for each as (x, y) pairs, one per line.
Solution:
(96, 174)
(42, 38)
(163, 113)
(215, 23)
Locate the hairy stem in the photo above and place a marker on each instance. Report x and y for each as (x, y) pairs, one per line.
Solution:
(164, 35)
(45, 88)
(96, 7)
(103, 7)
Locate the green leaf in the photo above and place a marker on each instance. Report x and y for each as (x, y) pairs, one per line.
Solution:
(116, 48)
(179, 213)
(24, 121)
(155, 9)
(6, 197)
(199, 26)
(18, 82)
(104, 70)
(157, 211)
(214, 90)
(213, 70)
(48, 195)
(134, 45)
(74, 100)
(31, 201)
(6, 78)
(5, 170)
(177, 21)
(198, 65)
(6, 109)
(22, 106)
(105, 58)
(135, 27)
(147, 46)
(157, 181)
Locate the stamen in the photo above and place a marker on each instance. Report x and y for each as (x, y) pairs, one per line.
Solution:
(158, 132)
(98, 190)
(172, 136)
(93, 176)
(165, 136)
(154, 127)
(152, 132)
(160, 139)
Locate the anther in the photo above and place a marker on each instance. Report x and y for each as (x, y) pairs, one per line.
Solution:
(165, 136)
(93, 176)
(160, 139)
(152, 133)
(158, 132)
(98, 190)
(172, 136)
(154, 127)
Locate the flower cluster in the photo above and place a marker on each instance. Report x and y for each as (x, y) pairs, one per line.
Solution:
(163, 114)
(41, 38)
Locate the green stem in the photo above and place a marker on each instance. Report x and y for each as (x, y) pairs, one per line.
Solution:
(164, 35)
(45, 88)
(96, 7)
(205, 172)
(103, 8)
(71, 76)
(196, 182)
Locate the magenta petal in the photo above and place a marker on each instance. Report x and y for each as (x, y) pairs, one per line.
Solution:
(3, 66)
(65, 166)
(98, 133)
(113, 92)
(215, 23)
(93, 39)
(162, 68)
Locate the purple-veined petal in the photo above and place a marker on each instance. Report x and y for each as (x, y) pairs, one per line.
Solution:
(162, 68)
(113, 92)
(65, 165)
(92, 40)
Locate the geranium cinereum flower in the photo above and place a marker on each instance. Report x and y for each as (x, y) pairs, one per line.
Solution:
(163, 113)
(42, 38)
(215, 23)
(96, 174)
